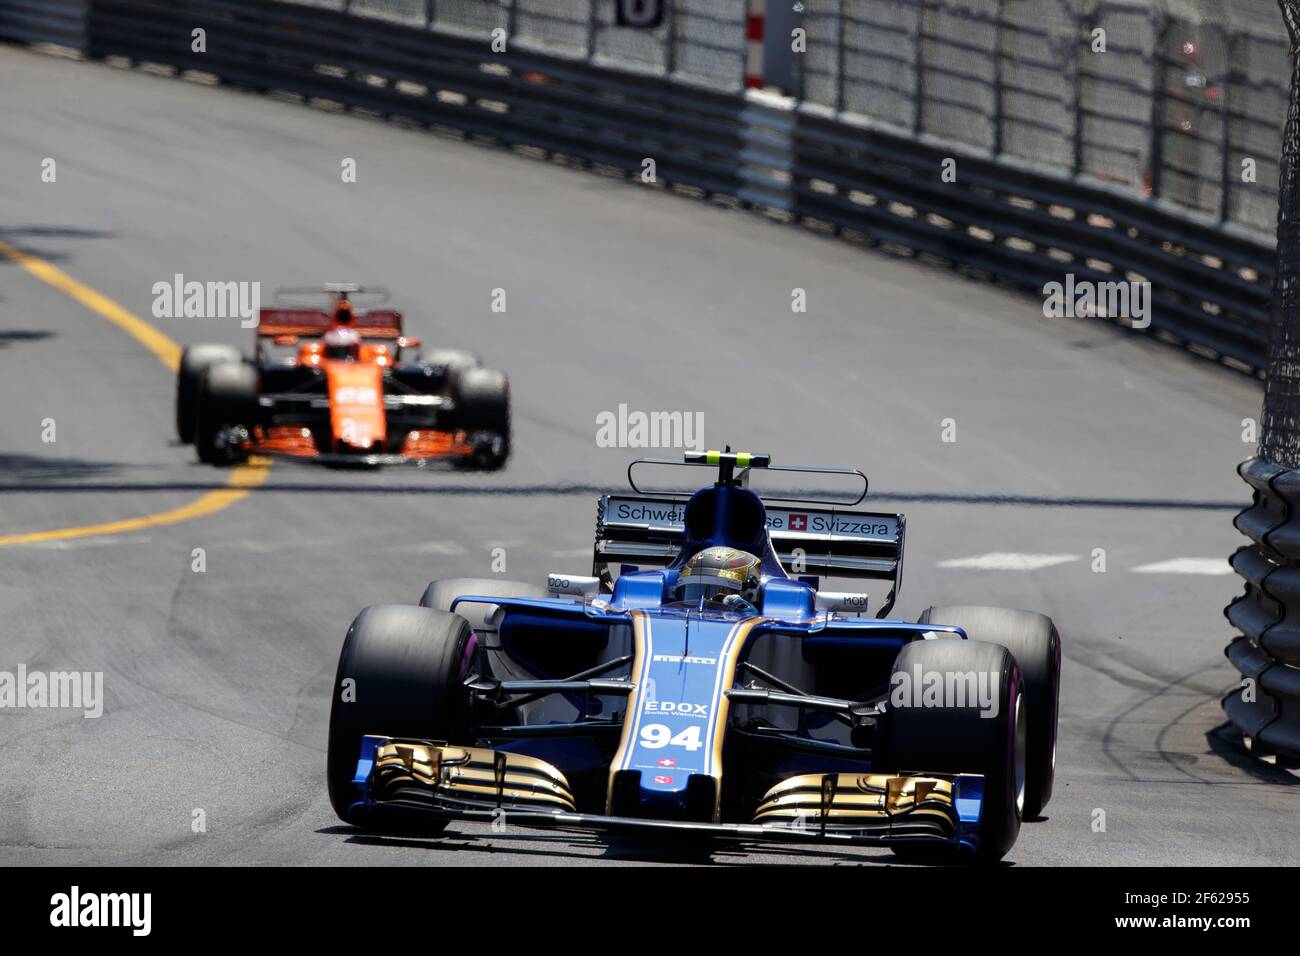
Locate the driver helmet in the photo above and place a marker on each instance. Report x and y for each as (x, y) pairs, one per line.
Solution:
(715, 574)
(341, 344)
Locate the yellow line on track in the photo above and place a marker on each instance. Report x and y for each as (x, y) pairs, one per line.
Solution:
(168, 352)
(243, 478)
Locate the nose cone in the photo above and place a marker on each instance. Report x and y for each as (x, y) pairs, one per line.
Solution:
(356, 392)
(669, 762)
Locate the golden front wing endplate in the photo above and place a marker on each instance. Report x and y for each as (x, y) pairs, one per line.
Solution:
(856, 799)
(471, 773)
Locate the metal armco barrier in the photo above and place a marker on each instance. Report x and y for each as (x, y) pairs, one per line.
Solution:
(1015, 221)
(1209, 286)
(1267, 707)
(517, 98)
(45, 21)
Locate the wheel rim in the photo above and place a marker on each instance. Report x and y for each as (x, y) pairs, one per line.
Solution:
(1021, 732)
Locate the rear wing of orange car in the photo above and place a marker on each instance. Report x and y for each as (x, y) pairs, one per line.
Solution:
(313, 323)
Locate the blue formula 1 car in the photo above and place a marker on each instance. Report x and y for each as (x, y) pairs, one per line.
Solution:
(710, 690)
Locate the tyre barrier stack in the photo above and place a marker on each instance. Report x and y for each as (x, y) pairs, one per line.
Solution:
(1266, 708)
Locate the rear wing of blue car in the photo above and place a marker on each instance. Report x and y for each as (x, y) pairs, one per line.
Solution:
(649, 530)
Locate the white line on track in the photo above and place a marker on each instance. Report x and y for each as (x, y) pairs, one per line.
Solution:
(1186, 566)
(440, 546)
(1008, 561)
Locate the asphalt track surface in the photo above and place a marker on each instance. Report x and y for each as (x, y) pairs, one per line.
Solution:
(1071, 435)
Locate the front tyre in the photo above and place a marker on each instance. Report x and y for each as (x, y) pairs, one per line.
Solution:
(194, 361)
(404, 667)
(227, 401)
(1034, 641)
(483, 408)
(961, 736)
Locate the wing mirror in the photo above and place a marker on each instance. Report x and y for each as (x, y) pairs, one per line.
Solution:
(582, 587)
(852, 602)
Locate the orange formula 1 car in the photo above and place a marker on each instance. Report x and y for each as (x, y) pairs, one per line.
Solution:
(341, 385)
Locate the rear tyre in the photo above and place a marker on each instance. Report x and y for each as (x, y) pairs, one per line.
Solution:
(1034, 641)
(194, 361)
(959, 739)
(227, 400)
(439, 595)
(407, 666)
(483, 405)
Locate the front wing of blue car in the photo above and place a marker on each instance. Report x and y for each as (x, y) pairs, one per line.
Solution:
(420, 778)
